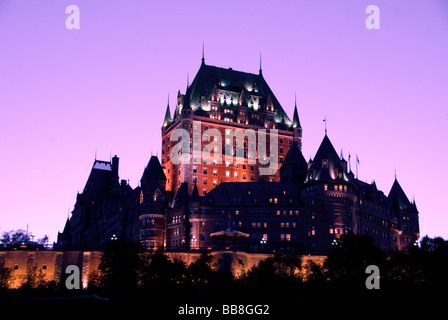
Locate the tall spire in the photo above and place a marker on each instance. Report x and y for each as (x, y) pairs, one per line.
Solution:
(295, 118)
(325, 120)
(260, 71)
(168, 118)
(203, 57)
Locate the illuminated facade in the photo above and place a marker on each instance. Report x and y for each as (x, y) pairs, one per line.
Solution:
(202, 204)
(223, 101)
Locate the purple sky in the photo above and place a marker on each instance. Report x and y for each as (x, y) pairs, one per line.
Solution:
(66, 93)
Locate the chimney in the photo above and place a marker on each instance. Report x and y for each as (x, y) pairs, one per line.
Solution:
(123, 185)
(115, 161)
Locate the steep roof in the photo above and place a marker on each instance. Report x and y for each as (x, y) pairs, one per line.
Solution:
(168, 118)
(208, 77)
(195, 194)
(398, 198)
(100, 180)
(295, 118)
(326, 152)
(154, 170)
(244, 193)
(294, 156)
(182, 197)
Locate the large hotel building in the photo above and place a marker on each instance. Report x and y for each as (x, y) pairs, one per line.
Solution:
(225, 203)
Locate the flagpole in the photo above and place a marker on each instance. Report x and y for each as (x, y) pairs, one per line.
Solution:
(357, 161)
(349, 163)
(325, 120)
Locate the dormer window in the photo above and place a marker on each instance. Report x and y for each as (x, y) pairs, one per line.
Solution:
(324, 163)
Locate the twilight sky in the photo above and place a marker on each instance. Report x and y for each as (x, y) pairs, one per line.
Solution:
(65, 94)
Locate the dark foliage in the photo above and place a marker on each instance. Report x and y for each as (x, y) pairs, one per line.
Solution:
(128, 272)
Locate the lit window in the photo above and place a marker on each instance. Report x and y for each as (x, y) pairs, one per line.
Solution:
(278, 212)
(325, 187)
(275, 200)
(282, 225)
(237, 212)
(288, 237)
(227, 174)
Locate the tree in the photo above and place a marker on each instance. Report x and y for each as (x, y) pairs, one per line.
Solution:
(420, 268)
(6, 277)
(162, 274)
(279, 273)
(121, 268)
(35, 279)
(347, 261)
(17, 239)
(201, 271)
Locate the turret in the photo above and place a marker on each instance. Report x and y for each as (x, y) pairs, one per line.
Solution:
(296, 126)
(167, 121)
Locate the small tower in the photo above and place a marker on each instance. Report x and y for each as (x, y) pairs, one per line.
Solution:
(167, 121)
(296, 126)
(152, 206)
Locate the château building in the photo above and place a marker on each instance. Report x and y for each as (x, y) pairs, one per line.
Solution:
(201, 203)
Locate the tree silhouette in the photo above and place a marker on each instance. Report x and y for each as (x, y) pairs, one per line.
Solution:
(121, 268)
(347, 261)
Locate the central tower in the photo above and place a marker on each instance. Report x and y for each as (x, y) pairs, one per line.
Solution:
(225, 100)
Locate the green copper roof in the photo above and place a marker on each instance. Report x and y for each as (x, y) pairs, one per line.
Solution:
(242, 83)
(168, 118)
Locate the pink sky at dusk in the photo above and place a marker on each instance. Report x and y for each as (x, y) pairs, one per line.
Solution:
(65, 94)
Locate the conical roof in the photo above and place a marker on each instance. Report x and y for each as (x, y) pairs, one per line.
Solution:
(397, 197)
(154, 169)
(168, 118)
(294, 156)
(326, 170)
(195, 194)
